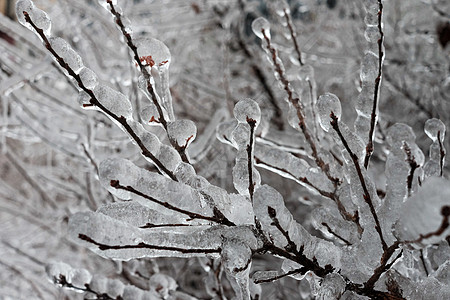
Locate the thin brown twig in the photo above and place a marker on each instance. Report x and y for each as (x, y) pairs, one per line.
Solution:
(94, 101)
(181, 150)
(367, 198)
(295, 101)
(217, 218)
(373, 116)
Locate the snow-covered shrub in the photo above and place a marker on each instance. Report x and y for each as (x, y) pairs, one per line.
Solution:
(374, 216)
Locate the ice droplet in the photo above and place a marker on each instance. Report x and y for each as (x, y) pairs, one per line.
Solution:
(154, 50)
(433, 127)
(89, 78)
(114, 101)
(399, 133)
(183, 132)
(21, 6)
(246, 110)
(327, 104)
(369, 67)
(259, 26)
(282, 8)
(65, 51)
(42, 20)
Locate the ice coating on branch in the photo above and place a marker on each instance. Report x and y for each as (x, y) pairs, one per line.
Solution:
(89, 78)
(183, 132)
(150, 115)
(85, 100)
(114, 101)
(37, 16)
(135, 214)
(369, 67)
(327, 104)
(241, 176)
(21, 6)
(241, 136)
(331, 287)
(153, 52)
(433, 127)
(372, 34)
(98, 232)
(372, 8)
(224, 131)
(422, 213)
(162, 284)
(148, 139)
(118, 169)
(259, 26)
(65, 51)
(247, 110)
(169, 157)
(399, 133)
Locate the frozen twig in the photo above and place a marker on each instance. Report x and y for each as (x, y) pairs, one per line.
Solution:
(376, 96)
(95, 102)
(367, 198)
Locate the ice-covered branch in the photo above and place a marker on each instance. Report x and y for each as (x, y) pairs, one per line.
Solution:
(217, 218)
(94, 101)
(367, 198)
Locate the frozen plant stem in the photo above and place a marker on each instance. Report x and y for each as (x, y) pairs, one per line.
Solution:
(293, 35)
(181, 149)
(334, 123)
(250, 146)
(373, 116)
(296, 103)
(217, 218)
(94, 101)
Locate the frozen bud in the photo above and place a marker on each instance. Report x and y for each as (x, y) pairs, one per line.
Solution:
(261, 27)
(115, 288)
(433, 128)
(114, 101)
(369, 67)
(80, 277)
(24, 6)
(89, 78)
(65, 51)
(246, 111)
(150, 115)
(153, 52)
(85, 100)
(183, 132)
(399, 133)
(372, 34)
(327, 104)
